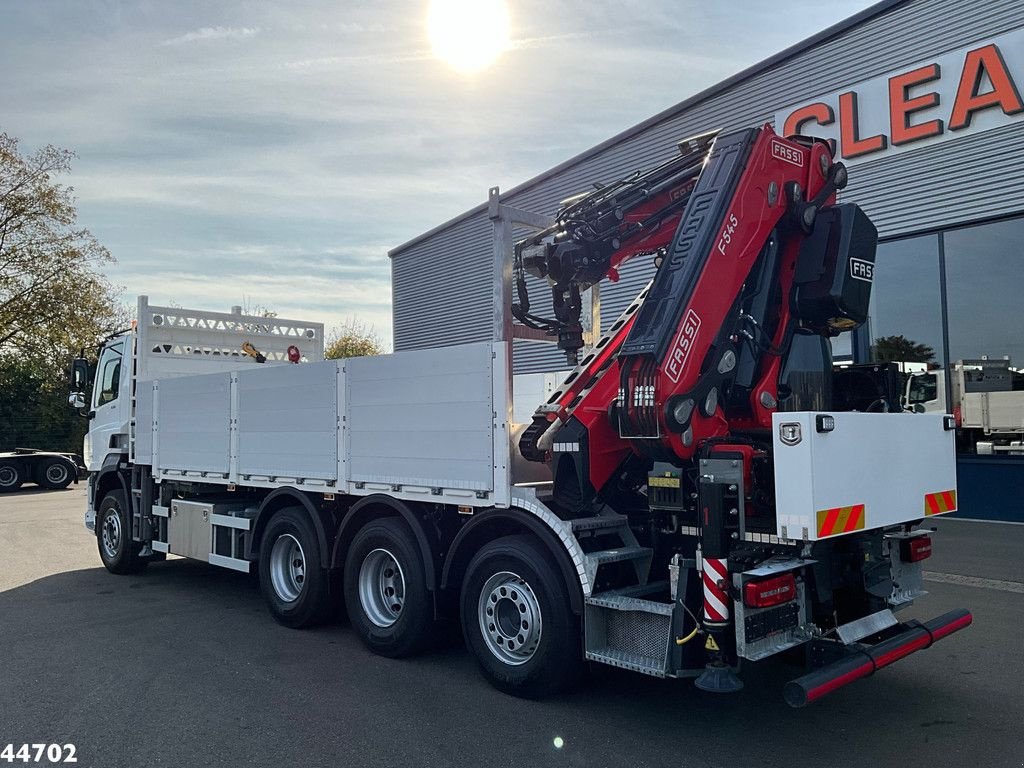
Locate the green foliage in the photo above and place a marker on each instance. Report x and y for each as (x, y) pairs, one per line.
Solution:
(33, 408)
(353, 339)
(900, 349)
(53, 297)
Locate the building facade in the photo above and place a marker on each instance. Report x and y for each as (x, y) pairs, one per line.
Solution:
(923, 99)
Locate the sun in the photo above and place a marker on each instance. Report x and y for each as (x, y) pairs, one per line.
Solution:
(469, 35)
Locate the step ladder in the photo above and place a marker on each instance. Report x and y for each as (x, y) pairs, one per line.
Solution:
(622, 627)
(627, 549)
(626, 630)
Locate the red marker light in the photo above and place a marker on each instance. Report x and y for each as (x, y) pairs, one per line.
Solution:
(768, 592)
(915, 550)
(294, 355)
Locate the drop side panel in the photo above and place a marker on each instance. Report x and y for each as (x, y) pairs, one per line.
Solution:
(288, 421)
(194, 418)
(423, 418)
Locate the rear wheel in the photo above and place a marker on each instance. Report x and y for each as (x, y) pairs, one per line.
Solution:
(386, 592)
(10, 476)
(118, 552)
(517, 619)
(292, 577)
(55, 474)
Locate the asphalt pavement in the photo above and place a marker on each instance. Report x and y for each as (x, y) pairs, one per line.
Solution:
(182, 666)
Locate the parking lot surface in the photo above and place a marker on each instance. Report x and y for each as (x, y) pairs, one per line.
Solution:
(182, 666)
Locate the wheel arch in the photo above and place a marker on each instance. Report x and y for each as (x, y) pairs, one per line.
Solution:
(368, 508)
(495, 523)
(281, 498)
(110, 478)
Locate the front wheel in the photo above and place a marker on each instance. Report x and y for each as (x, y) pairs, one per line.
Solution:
(517, 619)
(292, 577)
(118, 552)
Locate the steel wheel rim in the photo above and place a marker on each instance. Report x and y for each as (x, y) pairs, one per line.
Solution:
(56, 473)
(8, 476)
(111, 534)
(510, 618)
(381, 588)
(287, 568)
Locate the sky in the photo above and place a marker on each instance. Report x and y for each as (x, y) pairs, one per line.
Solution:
(270, 154)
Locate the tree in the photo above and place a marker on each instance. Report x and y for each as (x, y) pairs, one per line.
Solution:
(53, 297)
(353, 339)
(900, 349)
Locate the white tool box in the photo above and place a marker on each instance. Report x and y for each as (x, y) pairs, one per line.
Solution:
(838, 473)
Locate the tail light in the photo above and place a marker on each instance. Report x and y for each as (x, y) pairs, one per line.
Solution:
(916, 549)
(765, 593)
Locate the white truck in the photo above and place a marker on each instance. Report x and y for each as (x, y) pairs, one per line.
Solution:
(987, 402)
(674, 513)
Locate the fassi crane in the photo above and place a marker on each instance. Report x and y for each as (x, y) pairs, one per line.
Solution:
(743, 277)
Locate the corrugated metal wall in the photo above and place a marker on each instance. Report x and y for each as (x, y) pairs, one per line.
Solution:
(441, 285)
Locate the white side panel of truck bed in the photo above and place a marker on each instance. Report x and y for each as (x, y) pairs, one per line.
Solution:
(288, 421)
(873, 470)
(422, 418)
(993, 412)
(426, 425)
(194, 421)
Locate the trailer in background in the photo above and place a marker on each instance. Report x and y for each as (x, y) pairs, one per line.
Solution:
(52, 470)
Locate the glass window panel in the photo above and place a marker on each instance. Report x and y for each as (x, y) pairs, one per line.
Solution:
(842, 347)
(109, 380)
(984, 286)
(905, 315)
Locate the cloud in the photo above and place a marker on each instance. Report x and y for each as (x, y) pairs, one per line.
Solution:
(213, 33)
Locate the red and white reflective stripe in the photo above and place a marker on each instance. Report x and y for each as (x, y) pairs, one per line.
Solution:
(716, 599)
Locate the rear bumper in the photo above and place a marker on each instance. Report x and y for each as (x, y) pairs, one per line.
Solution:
(863, 660)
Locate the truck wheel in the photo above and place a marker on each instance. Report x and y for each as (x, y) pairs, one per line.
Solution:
(292, 578)
(55, 474)
(10, 476)
(118, 552)
(517, 619)
(386, 593)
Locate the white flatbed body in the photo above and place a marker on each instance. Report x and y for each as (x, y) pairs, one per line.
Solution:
(419, 425)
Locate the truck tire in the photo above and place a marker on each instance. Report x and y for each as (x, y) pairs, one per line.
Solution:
(292, 578)
(11, 476)
(118, 552)
(386, 593)
(54, 474)
(517, 619)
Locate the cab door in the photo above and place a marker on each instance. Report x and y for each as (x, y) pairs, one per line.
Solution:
(108, 429)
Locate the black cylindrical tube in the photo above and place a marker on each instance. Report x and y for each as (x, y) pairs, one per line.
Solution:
(862, 663)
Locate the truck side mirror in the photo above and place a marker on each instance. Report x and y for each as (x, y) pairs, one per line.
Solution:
(76, 400)
(79, 376)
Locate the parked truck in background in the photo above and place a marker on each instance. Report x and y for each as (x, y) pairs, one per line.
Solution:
(987, 402)
(52, 470)
(687, 500)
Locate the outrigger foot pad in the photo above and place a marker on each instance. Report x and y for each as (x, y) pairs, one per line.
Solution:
(718, 678)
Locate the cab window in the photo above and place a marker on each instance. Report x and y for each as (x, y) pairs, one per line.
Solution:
(923, 388)
(109, 377)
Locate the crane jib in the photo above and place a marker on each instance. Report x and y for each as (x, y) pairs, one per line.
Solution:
(659, 318)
